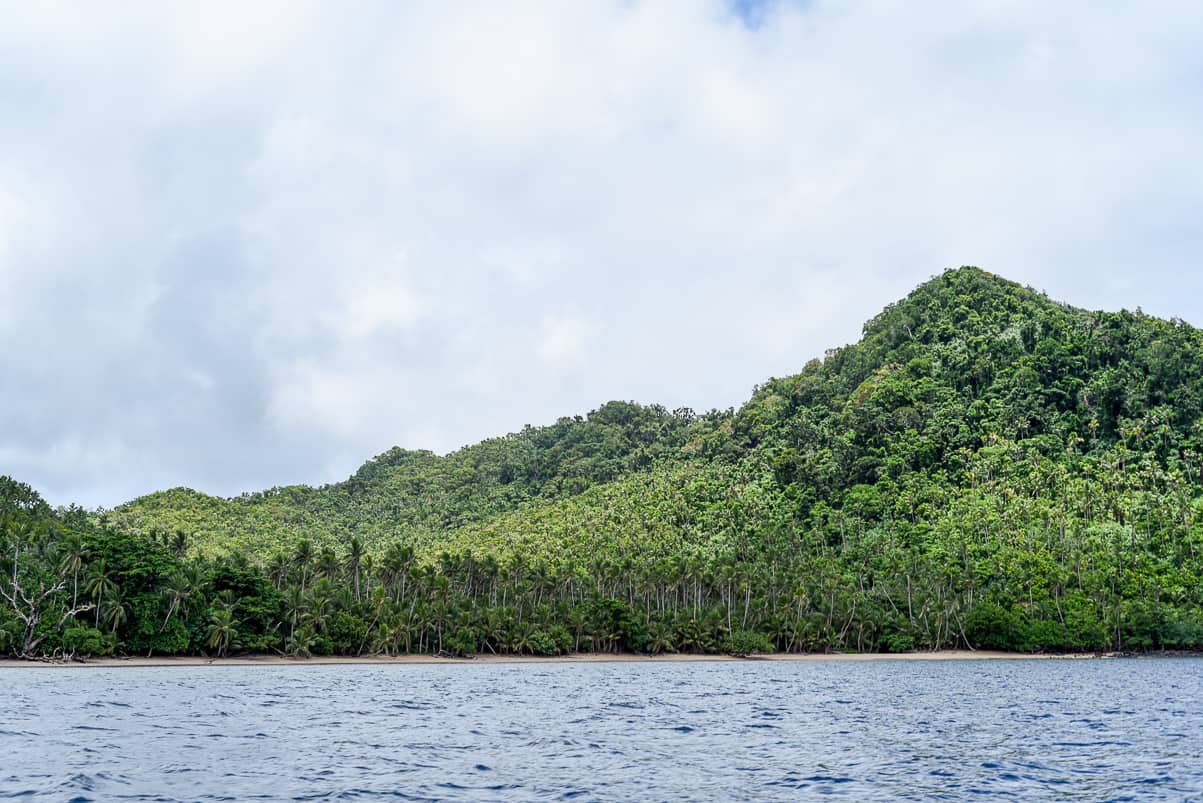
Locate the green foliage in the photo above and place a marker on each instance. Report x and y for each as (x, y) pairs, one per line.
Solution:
(543, 644)
(985, 468)
(994, 627)
(421, 495)
(254, 605)
(86, 641)
(223, 630)
(747, 642)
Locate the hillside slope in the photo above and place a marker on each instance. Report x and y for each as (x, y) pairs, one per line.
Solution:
(985, 467)
(966, 361)
(420, 496)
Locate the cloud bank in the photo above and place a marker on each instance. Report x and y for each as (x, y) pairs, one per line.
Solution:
(252, 245)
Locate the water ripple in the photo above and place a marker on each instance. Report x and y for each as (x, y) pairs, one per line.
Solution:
(885, 730)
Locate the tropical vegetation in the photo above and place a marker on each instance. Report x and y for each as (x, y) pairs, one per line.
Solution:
(986, 468)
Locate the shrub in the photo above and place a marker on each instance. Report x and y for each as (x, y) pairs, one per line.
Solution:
(86, 641)
(747, 642)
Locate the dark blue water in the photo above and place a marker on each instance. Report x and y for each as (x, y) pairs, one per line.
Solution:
(1029, 730)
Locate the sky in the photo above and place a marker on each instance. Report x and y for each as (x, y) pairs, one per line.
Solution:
(245, 245)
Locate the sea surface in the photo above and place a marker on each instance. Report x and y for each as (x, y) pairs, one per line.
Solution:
(756, 730)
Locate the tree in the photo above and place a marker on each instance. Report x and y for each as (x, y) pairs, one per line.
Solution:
(303, 556)
(223, 630)
(73, 556)
(115, 611)
(30, 590)
(100, 583)
(355, 558)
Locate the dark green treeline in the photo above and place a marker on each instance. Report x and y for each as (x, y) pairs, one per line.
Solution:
(986, 468)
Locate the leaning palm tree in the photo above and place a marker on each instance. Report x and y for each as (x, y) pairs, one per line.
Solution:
(180, 588)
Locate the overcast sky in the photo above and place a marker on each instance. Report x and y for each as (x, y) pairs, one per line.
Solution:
(254, 244)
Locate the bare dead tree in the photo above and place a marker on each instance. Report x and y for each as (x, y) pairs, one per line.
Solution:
(31, 606)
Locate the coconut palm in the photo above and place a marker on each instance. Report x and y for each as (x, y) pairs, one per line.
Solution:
(100, 584)
(327, 564)
(303, 557)
(355, 555)
(72, 561)
(301, 642)
(522, 638)
(320, 605)
(660, 638)
(115, 611)
(180, 588)
(296, 603)
(223, 630)
(277, 568)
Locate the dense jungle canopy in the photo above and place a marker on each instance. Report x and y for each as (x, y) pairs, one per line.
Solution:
(986, 468)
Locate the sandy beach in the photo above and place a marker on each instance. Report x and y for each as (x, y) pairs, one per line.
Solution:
(579, 658)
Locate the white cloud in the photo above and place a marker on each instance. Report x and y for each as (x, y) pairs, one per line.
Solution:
(265, 243)
(564, 339)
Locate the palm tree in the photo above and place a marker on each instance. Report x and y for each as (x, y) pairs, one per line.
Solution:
(395, 637)
(522, 638)
(116, 611)
(395, 568)
(578, 620)
(222, 629)
(327, 564)
(410, 625)
(301, 642)
(277, 568)
(321, 605)
(492, 629)
(304, 556)
(355, 555)
(379, 605)
(100, 584)
(295, 604)
(179, 589)
(661, 638)
(72, 561)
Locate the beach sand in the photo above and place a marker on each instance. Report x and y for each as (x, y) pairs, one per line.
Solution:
(579, 658)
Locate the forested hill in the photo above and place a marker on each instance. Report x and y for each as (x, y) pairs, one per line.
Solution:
(968, 360)
(986, 467)
(419, 496)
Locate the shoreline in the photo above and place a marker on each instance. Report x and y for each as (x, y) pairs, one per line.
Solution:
(573, 658)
